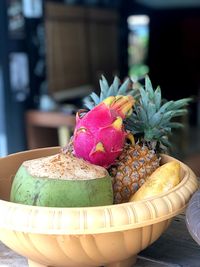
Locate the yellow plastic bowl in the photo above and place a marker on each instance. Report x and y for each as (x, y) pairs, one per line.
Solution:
(108, 236)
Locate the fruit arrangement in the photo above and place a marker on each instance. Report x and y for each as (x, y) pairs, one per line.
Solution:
(151, 125)
(113, 155)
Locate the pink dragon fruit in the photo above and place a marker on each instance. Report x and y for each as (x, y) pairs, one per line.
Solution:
(99, 135)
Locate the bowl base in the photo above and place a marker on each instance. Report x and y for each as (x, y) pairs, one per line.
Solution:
(125, 263)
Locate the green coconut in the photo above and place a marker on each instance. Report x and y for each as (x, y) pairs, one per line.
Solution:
(61, 180)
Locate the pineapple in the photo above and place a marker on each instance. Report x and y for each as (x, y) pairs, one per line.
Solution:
(150, 123)
(131, 169)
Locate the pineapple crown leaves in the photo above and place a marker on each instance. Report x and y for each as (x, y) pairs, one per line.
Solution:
(153, 117)
(116, 88)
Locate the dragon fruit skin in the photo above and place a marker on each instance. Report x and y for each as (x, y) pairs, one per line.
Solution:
(99, 136)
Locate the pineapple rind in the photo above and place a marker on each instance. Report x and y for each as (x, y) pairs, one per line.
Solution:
(134, 166)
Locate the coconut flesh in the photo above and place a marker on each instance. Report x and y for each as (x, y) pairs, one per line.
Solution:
(61, 180)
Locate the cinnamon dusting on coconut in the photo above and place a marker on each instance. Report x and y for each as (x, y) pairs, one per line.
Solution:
(65, 167)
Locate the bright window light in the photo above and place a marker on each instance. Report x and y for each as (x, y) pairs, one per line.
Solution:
(138, 41)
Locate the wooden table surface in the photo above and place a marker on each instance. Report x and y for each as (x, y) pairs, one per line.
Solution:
(175, 248)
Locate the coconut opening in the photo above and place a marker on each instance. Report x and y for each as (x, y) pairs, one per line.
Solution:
(64, 167)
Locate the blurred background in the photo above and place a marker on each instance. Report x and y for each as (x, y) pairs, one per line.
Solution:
(52, 54)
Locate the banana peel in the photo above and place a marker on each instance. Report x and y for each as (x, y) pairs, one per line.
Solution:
(161, 180)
